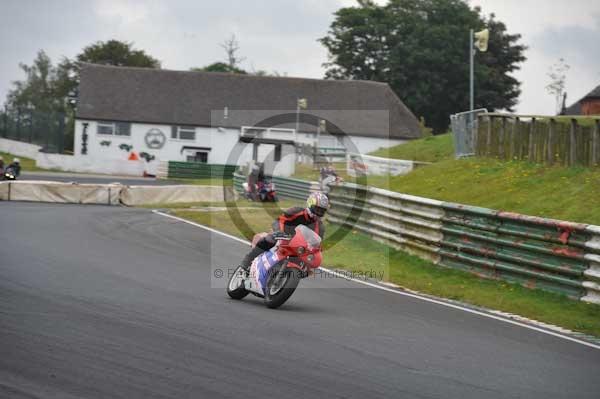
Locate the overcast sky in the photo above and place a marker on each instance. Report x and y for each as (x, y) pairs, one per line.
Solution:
(281, 35)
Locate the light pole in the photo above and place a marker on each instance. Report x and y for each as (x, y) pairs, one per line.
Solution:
(471, 74)
(481, 44)
(300, 103)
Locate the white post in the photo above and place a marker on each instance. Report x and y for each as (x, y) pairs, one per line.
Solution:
(297, 119)
(472, 78)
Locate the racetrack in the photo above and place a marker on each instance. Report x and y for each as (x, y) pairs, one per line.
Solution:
(115, 302)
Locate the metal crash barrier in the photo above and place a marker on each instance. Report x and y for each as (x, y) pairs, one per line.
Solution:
(535, 252)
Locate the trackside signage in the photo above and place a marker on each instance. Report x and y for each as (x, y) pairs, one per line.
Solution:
(363, 165)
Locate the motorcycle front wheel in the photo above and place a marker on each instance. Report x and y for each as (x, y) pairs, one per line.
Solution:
(281, 284)
(235, 286)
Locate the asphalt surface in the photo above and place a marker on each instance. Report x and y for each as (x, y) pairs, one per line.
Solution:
(111, 302)
(94, 179)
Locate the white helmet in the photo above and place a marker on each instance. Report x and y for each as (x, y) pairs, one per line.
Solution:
(16, 160)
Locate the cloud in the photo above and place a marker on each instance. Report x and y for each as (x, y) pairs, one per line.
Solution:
(274, 35)
(577, 44)
(280, 35)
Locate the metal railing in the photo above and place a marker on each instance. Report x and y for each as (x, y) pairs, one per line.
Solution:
(285, 187)
(46, 129)
(464, 129)
(197, 170)
(535, 252)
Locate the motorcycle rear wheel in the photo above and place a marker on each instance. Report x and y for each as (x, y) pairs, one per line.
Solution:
(235, 286)
(280, 286)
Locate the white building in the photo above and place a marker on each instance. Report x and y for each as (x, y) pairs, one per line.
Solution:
(156, 115)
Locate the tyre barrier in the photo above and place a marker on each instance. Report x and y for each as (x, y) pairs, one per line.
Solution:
(110, 194)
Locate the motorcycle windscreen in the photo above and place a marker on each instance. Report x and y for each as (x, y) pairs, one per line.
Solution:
(311, 238)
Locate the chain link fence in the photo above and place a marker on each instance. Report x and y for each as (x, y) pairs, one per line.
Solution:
(46, 129)
(464, 126)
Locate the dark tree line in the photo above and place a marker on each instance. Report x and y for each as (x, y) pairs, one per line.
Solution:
(420, 47)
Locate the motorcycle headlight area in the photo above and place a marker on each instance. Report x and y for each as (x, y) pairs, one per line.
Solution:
(301, 250)
(310, 258)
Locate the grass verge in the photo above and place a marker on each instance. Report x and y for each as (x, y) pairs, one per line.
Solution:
(553, 192)
(428, 149)
(27, 164)
(204, 182)
(357, 252)
(308, 172)
(557, 192)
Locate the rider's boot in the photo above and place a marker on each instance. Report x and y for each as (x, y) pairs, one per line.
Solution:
(247, 261)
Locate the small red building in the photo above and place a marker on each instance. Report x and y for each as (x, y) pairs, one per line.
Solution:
(588, 105)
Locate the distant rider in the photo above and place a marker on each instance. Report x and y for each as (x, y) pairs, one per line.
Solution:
(1, 164)
(316, 206)
(328, 176)
(16, 166)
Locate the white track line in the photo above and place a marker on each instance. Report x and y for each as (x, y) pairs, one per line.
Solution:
(398, 292)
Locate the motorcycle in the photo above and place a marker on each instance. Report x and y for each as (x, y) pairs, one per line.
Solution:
(263, 191)
(328, 181)
(9, 173)
(274, 275)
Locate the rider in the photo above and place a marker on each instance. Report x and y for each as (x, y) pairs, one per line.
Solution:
(253, 175)
(16, 165)
(1, 164)
(316, 206)
(328, 177)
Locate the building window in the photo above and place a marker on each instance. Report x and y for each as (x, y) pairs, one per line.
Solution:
(199, 156)
(183, 133)
(114, 128)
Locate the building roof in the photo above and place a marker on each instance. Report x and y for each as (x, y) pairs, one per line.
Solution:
(594, 93)
(233, 100)
(575, 109)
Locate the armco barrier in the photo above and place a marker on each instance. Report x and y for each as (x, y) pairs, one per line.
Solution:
(285, 187)
(553, 255)
(197, 170)
(64, 193)
(141, 195)
(110, 194)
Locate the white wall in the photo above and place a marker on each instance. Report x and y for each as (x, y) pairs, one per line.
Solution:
(83, 164)
(19, 148)
(224, 145)
(285, 167)
(221, 142)
(360, 144)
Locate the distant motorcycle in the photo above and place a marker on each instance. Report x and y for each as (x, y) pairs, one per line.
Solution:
(274, 275)
(9, 173)
(328, 181)
(263, 192)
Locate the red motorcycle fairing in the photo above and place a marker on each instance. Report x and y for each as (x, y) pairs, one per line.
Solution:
(303, 251)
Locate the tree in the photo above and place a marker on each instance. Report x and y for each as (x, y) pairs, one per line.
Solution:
(219, 67)
(39, 101)
(114, 52)
(47, 88)
(37, 91)
(420, 47)
(231, 64)
(231, 47)
(558, 77)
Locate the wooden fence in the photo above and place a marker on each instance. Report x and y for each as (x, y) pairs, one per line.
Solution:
(564, 140)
